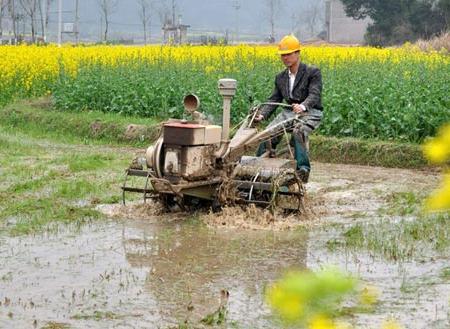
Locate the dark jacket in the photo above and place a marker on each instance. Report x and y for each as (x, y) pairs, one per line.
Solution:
(307, 89)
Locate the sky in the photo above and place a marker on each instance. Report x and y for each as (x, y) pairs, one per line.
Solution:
(213, 16)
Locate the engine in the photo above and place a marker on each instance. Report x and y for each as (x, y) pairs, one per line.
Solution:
(189, 150)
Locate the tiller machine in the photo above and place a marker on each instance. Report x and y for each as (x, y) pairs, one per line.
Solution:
(194, 163)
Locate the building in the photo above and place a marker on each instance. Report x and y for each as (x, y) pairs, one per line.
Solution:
(340, 27)
(174, 33)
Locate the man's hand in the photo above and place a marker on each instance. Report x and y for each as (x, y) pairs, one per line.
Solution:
(298, 108)
(258, 118)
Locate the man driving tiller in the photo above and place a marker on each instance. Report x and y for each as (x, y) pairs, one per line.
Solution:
(300, 86)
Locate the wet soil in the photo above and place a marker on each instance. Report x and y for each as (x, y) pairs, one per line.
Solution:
(141, 269)
(347, 192)
(335, 194)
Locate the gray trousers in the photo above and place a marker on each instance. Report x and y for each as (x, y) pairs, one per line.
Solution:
(300, 132)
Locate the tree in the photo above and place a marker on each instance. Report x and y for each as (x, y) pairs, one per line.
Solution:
(16, 16)
(163, 11)
(273, 8)
(30, 8)
(2, 7)
(145, 7)
(107, 7)
(10, 6)
(44, 16)
(444, 6)
(401, 20)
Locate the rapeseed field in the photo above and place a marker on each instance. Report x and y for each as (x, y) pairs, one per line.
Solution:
(399, 94)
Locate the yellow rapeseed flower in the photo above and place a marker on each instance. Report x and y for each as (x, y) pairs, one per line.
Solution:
(32, 66)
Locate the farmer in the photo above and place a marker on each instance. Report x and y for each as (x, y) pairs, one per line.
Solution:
(301, 87)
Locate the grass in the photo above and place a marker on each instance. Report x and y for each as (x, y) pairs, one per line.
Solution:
(402, 204)
(38, 118)
(98, 315)
(366, 152)
(218, 317)
(412, 236)
(47, 182)
(55, 167)
(56, 325)
(445, 273)
(80, 162)
(33, 183)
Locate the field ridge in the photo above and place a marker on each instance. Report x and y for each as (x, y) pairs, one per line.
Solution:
(38, 118)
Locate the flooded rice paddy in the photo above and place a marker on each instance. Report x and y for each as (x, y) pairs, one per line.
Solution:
(142, 270)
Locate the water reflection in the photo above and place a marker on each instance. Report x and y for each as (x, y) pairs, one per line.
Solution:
(188, 266)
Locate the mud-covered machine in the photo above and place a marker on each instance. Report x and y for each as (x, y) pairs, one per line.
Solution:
(194, 163)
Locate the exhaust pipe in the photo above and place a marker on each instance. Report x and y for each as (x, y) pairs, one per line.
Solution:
(227, 89)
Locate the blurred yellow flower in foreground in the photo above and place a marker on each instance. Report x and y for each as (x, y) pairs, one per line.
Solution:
(286, 302)
(312, 299)
(437, 151)
(307, 297)
(322, 322)
(440, 199)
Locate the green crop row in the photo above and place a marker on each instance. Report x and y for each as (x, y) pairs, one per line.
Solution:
(401, 102)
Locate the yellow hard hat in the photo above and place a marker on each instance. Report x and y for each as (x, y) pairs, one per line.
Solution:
(288, 44)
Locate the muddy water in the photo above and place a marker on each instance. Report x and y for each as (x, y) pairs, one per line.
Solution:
(155, 272)
(142, 275)
(412, 292)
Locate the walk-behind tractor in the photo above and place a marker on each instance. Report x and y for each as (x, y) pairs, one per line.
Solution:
(194, 163)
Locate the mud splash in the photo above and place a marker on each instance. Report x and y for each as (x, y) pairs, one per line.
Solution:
(232, 217)
(254, 218)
